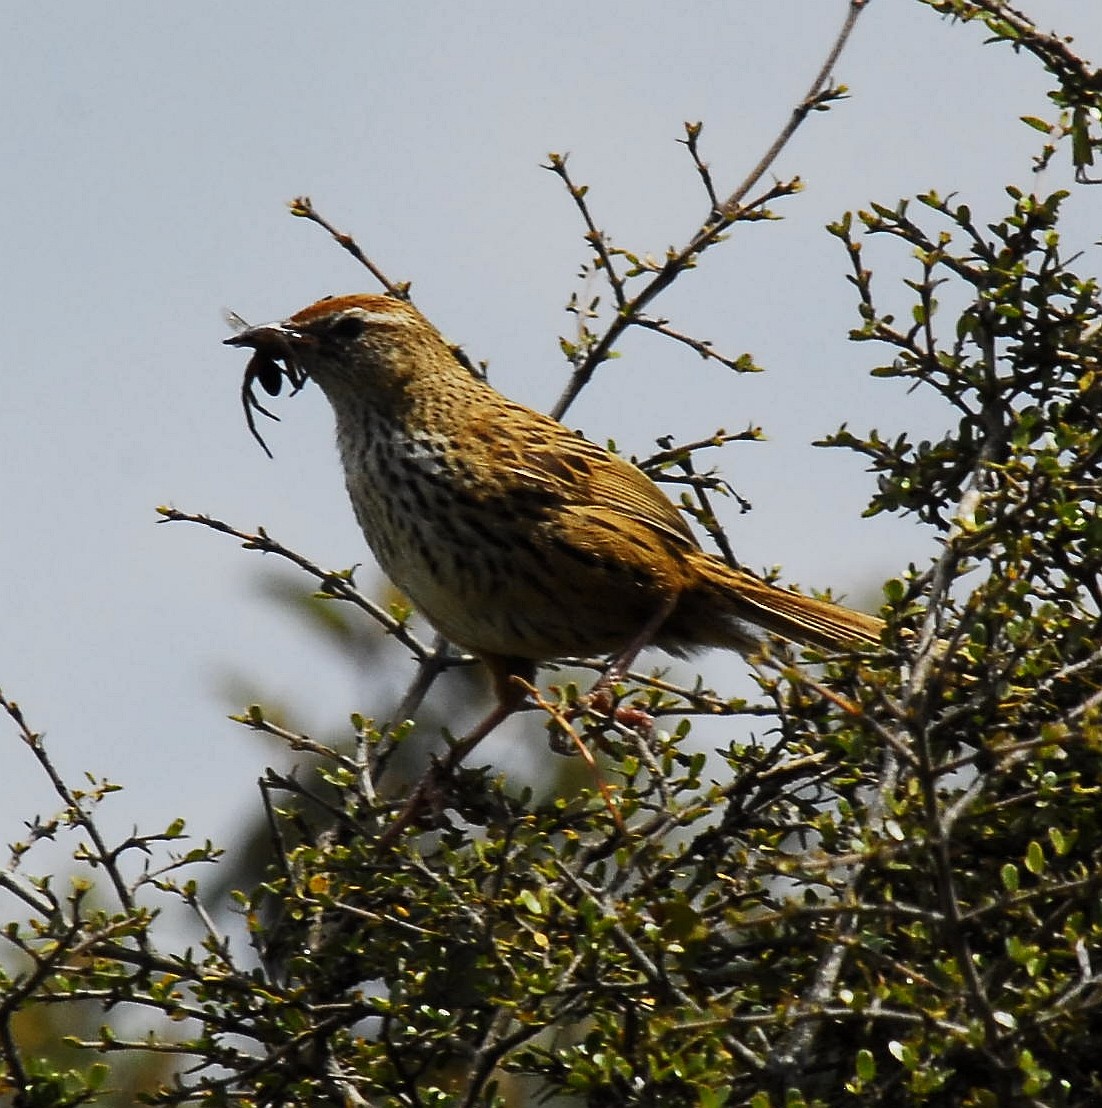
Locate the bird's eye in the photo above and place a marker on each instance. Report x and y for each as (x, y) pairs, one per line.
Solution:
(347, 327)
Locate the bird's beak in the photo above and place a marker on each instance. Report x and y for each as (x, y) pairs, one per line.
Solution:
(264, 336)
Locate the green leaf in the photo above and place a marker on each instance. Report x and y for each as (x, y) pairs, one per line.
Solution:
(529, 900)
(1035, 858)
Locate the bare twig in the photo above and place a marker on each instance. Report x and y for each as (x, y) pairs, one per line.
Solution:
(304, 209)
(720, 217)
(334, 583)
(814, 99)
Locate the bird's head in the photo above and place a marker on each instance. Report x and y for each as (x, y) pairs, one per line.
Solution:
(362, 348)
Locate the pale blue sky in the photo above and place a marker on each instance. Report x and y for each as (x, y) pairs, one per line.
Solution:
(149, 151)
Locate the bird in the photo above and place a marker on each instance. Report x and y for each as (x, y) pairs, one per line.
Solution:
(519, 540)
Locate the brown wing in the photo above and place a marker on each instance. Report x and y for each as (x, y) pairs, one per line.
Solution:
(580, 474)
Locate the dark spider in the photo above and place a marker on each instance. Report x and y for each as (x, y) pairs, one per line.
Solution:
(272, 360)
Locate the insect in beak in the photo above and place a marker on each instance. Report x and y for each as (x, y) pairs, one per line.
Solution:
(273, 359)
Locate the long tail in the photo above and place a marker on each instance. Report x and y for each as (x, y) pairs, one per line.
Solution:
(727, 599)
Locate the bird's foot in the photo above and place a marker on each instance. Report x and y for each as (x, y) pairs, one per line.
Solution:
(603, 710)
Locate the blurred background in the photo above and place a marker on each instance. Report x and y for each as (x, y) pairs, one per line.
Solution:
(149, 155)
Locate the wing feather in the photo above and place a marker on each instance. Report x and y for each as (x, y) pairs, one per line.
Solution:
(580, 474)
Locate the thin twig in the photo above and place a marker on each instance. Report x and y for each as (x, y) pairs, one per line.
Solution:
(703, 347)
(719, 219)
(304, 209)
(594, 236)
(812, 99)
(102, 856)
(333, 582)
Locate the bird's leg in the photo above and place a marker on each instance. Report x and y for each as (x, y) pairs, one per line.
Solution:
(622, 662)
(509, 676)
(599, 697)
